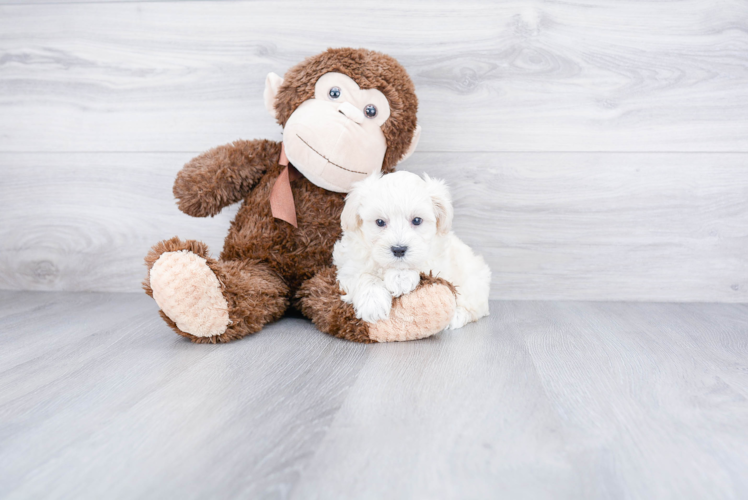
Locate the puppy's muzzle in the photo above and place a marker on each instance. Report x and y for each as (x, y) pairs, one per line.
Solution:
(399, 251)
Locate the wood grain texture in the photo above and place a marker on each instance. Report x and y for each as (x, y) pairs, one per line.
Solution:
(542, 400)
(548, 400)
(111, 397)
(661, 227)
(47, 2)
(616, 81)
(522, 75)
(86, 221)
(591, 226)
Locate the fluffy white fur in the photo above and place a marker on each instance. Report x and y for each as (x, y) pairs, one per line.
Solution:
(371, 274)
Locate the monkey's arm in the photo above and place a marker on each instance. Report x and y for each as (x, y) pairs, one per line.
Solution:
(223, 175)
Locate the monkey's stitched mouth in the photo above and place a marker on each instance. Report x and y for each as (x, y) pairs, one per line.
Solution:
(328, 160)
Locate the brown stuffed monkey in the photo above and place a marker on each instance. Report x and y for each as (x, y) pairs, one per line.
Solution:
(346, 113)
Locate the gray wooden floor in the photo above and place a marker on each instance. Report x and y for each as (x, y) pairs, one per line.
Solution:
(98, 399)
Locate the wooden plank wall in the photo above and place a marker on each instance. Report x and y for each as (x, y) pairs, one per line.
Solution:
(597, 149)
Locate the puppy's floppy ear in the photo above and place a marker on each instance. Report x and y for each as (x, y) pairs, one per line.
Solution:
(349, 218)
(442, 201)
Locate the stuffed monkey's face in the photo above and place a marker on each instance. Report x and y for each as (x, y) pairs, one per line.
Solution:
(336, 138)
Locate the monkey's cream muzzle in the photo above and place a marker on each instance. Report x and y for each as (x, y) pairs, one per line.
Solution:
(333, 145)
(334, 139)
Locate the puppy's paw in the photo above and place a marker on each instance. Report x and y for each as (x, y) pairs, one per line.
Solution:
(373, 304)
(460, 318)
(401, 281)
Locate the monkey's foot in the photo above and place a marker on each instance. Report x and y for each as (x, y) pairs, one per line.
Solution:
(189, 293)
(211, 301)
(425, 311)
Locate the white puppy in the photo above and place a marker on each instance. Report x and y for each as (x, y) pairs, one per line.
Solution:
(395, 227)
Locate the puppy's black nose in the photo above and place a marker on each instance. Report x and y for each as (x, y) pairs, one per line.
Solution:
(399, 251)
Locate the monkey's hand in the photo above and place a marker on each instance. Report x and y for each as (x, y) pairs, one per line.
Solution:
(222, 176)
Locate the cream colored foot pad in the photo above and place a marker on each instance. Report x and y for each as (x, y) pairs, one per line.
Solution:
(421, 313)
(188, 292)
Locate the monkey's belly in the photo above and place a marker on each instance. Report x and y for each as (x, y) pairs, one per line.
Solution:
(296, 254)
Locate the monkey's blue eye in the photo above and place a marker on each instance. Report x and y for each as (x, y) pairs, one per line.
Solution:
(370, 111)
(381, 223)
(417, 221)
(334, 93)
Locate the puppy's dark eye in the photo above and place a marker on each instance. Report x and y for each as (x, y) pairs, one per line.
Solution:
(370, 111)
(381, 223)
(417, 221)
(334, 93)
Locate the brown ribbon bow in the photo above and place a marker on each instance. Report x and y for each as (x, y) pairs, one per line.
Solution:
(281, 197)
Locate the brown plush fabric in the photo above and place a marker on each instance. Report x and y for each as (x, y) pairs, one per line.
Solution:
(266, 261)
(371, 70)
(319, 300)
(222, 176)
(429, 279)
(255, 294)
(294, 253)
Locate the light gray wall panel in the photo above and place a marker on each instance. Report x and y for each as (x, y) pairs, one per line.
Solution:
(502, 86)
(85, 221)
(599, 75)
(593, 226)
(604, 226)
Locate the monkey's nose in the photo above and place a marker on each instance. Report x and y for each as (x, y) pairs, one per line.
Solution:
(399, 251)
(351, 112)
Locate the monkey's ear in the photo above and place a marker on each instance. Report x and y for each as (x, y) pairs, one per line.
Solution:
(272, 84)
(413, 143)
(442, 202)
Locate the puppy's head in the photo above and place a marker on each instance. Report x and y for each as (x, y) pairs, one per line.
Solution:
(397, 216)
